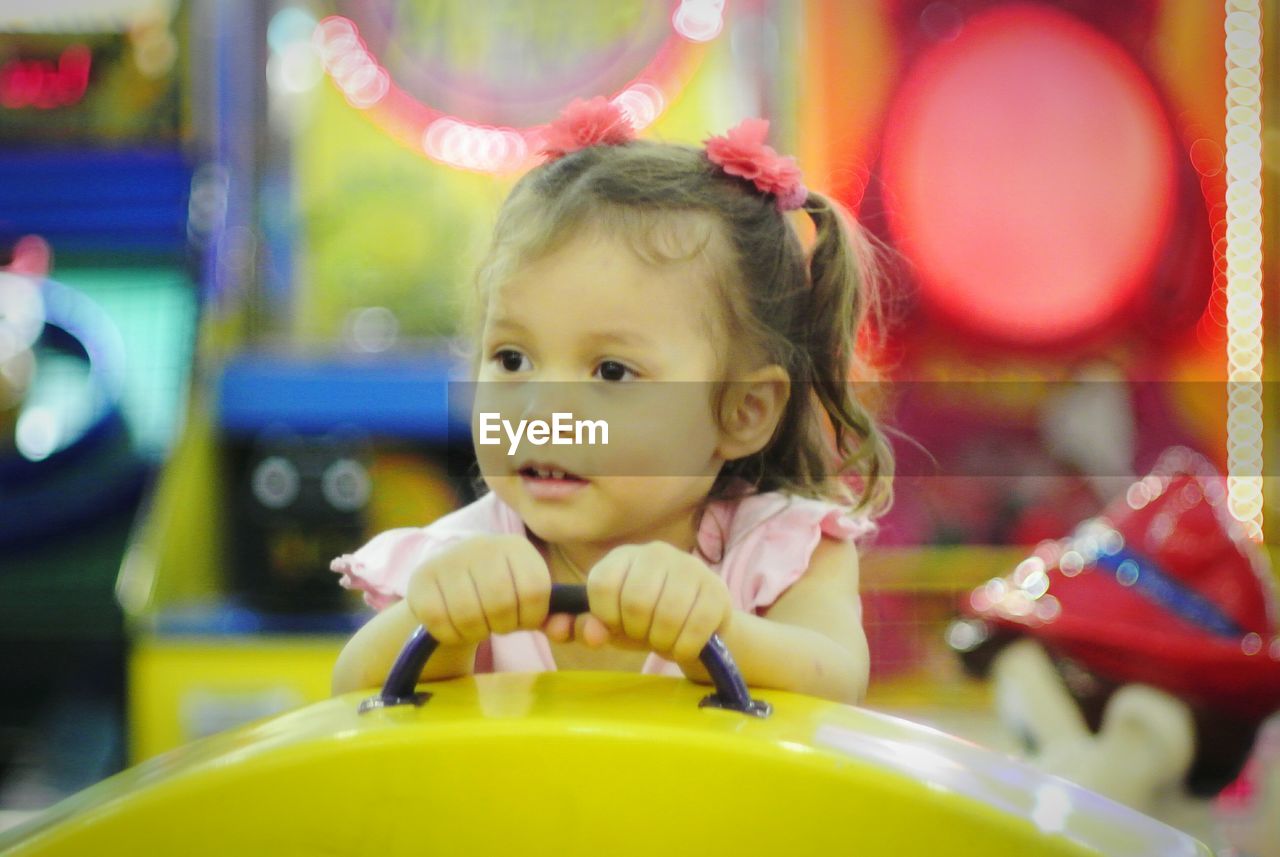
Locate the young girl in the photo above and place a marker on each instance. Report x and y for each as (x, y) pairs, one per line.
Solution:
(667, 283)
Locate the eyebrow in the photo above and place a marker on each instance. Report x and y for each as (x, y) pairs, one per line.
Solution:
(503, 327)
(504, 324)
(620, 337)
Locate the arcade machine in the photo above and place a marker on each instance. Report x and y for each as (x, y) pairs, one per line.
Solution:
(97, 320)
(1068, 197)
(388, 133)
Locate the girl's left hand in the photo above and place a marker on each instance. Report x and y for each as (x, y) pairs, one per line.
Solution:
(657, 597)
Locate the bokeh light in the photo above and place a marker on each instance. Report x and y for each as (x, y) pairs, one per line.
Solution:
(1029, 176)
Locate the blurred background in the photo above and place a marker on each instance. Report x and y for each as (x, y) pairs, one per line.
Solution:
(237, 238)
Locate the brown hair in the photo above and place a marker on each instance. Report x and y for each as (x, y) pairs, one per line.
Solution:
(799, 310)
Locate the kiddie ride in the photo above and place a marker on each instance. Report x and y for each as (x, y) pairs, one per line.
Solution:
(587, 763)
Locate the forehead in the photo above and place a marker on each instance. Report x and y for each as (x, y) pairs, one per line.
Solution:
(655, 271)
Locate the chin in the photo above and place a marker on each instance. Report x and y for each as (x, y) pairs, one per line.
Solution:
(555, 530)
(568, 523)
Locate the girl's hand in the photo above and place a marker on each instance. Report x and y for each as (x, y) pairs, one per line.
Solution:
(485, 585)
(658, 597)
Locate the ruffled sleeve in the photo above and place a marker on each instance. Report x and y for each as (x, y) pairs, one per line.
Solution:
(381, 569)
(766, 542)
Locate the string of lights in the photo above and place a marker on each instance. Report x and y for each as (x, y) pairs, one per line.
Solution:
(1244, 263)
(458, 142)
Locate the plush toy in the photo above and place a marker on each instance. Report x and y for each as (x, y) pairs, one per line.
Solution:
(1140, 655)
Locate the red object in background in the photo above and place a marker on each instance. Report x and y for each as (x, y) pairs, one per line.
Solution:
(1190, 571)
(1029, 175)
(45, 84)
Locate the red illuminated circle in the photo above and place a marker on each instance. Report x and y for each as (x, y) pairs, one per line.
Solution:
(1029, 176)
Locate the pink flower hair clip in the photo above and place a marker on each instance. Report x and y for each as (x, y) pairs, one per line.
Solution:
(742, 152)
(593, 122)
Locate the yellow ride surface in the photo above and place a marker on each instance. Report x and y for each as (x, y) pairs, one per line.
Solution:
(567, 763)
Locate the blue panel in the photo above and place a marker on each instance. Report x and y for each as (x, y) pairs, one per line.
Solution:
(96, 199)
(230, 617)
(403, 396)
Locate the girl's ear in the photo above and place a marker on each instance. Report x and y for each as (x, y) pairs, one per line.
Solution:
(750, 411)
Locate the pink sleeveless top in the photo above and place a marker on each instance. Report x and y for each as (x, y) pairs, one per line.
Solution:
(764, 542)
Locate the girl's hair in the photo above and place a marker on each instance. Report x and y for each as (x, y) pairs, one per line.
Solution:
(801, 311)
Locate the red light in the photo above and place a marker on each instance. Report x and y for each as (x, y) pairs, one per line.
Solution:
(44, 84)
(1029, 176)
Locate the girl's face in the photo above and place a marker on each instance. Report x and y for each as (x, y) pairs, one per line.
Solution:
(593, 332)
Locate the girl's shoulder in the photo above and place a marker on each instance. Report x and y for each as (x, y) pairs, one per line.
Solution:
(762, 543)
(381, 568)
(781, 513)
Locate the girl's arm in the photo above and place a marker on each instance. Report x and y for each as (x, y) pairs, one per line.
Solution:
(811, 639)
(367, 657)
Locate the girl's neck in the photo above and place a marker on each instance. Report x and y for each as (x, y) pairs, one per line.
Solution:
(564, 568)
(571, 562)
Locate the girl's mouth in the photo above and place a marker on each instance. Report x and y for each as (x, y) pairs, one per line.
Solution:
(535, 472)
(550, 483)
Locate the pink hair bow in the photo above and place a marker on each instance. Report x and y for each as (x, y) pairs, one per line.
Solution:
(742, 152)
(593, 122)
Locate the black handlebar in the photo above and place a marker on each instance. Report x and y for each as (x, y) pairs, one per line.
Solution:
(731, 690)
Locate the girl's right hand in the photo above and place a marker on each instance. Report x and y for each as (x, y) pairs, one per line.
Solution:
(483, 586)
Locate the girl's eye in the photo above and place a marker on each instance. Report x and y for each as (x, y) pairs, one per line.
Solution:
(612, 370)
(512, 361)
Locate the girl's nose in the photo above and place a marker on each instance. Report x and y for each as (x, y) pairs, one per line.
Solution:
(544, 398)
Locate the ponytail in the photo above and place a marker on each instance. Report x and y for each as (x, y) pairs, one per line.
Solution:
(840, 298)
